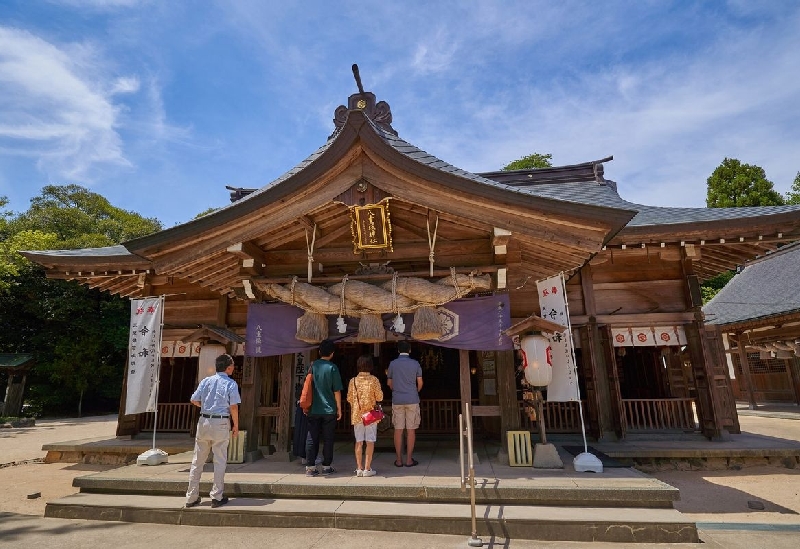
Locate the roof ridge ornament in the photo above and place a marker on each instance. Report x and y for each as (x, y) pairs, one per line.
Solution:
(378, 112)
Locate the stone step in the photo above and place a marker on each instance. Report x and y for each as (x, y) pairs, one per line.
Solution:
(637, 492)
(615, 525)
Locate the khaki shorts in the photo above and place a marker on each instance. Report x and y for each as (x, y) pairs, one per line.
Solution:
(405, 416)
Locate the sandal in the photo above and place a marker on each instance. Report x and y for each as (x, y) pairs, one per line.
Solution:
(413, 463)
(398, 463)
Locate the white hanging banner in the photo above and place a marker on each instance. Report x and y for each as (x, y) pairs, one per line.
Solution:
(670, 335)
(167, 348)
(649, 336)
(621, 337)
(144, 355)
(643, 337)
(553, 303)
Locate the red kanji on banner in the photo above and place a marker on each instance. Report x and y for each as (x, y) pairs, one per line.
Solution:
(151, 309)
(554, 290)
(139, 310)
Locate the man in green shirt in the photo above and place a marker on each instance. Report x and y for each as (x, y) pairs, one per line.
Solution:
(326, 409)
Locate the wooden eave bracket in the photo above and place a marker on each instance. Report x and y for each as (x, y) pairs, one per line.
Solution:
(217, 333)
(252, 257)
(534, 324)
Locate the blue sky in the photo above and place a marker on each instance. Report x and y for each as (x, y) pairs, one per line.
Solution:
(157, 105)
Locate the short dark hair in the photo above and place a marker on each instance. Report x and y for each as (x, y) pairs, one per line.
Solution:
(364, 363)
(223, 361)
(326, 348)
(403, 346)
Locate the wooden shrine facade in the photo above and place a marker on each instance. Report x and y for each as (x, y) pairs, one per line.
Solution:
(631, 269)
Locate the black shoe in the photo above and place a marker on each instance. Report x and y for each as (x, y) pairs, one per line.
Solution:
(219, 502)
(195, 503)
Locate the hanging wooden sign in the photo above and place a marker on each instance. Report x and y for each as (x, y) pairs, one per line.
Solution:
(371, 227)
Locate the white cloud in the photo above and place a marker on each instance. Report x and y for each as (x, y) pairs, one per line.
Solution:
(125, 84)
(53, 105)
(101, 4)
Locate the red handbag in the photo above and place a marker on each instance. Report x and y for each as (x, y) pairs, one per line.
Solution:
(374, 415)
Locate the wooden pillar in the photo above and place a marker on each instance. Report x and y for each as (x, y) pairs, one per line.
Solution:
(463, 370)
(127, 425)
(791, 364)
(709, 417)
(751, 397)
(598, 397)
(606, 347)
(507, 394)
(286, 403)
(251, 381)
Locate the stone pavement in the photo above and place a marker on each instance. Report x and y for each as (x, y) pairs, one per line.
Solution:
(719, 503)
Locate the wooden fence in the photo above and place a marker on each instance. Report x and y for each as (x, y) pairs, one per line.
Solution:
(559, 417)
(172, 417)
(652, 414)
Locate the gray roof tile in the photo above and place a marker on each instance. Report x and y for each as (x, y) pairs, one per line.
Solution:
(766, 287)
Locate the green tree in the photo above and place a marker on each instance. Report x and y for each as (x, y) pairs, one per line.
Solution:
(793, 196)
(734, 184)
(534, 160)
(712, 286)
(78, 334)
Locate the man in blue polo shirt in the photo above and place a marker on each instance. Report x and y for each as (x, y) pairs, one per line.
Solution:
(218, 398)
(405, 380)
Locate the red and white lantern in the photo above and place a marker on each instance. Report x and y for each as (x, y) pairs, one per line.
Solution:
(537, 360)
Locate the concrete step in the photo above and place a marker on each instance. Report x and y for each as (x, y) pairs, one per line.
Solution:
(616, 525)
(630, 492)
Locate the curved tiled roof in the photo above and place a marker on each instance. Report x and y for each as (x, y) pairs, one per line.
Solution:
(767, 287)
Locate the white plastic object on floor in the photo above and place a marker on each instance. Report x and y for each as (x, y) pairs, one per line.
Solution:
(588, 462)
(154, 456)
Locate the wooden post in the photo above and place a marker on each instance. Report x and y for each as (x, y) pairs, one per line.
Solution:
(251, 381)
(790, 372)
(466, 385)
(507, 394)
(710, 421)
(286, 403)
(751, 397)
(598, 397)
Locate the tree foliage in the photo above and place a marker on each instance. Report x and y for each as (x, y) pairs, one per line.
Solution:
(734, 184)
(712, 286)
(78, 335)
(793, 196)
(535, 160)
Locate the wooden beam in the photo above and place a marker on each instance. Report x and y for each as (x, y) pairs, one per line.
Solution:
(402, 251)
(326, 279)
(247, 250)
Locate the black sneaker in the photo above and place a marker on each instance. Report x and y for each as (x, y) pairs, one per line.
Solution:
(219, 502)
(194, 503)
(328, 470)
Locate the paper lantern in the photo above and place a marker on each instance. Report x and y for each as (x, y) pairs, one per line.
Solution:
(206, 365)
(537, 361)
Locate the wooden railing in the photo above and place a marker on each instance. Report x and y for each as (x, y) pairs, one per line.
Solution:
(436, 416)
(172, 417)
(653, 414)
(559, 417)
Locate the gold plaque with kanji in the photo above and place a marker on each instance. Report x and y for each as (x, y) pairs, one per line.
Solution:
(371, 227)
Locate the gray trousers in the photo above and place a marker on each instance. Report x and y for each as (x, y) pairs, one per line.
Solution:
(212, 436)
